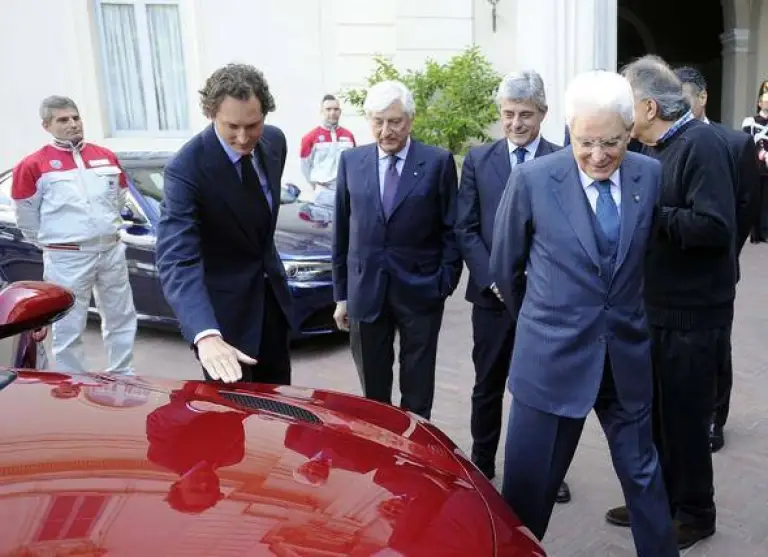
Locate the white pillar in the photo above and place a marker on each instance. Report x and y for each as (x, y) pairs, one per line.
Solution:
(561, 38)
(737, 100)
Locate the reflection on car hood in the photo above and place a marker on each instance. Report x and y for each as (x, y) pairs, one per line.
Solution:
(296, 238)
(95, 466)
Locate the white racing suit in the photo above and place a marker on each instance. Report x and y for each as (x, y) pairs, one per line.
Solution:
(321, 150)
(68, 202)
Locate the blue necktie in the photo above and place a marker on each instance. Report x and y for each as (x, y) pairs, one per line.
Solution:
(520, 153)
(606, 211)
(391, 180)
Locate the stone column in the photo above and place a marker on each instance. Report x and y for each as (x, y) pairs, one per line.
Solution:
(738, 100)
(561, 38)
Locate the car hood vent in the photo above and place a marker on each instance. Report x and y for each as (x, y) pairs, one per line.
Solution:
(252, 402)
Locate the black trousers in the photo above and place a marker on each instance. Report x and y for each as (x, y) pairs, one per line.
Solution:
(493, 334)
(274, 358)
(373, 352)
(685, 365)
(724, 384)
(760, 211)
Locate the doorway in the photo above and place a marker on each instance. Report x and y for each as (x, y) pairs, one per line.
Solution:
(683, 32)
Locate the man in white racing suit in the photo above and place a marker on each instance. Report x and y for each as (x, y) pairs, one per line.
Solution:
(67, 198)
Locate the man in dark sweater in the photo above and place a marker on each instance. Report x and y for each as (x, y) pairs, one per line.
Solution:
(746, 180)
(689, 288)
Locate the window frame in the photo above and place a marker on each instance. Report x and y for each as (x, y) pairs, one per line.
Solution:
(145, 61)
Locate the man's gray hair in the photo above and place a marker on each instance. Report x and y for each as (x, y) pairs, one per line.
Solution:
(55, 102)
(383, 94)
(652, 79)
(524, 86)
(599, 91)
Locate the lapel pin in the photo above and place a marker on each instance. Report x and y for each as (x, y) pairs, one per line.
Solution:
(415, 173)
(636, 197)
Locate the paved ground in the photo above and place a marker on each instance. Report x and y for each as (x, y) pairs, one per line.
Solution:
(577, 529)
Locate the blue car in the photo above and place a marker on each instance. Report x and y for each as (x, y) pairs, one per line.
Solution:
(304, 246)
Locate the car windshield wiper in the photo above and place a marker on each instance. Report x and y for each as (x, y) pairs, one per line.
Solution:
(6, 378)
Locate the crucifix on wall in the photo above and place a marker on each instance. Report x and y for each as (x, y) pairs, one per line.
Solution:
(493, 13)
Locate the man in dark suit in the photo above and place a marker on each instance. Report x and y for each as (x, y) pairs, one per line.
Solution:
(216, 254)
(522, 104)
(746, 179)
(577, 223)
(395, 258)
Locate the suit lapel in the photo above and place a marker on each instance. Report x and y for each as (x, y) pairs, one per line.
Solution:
(544, 148)
(630, 209)
(500, 161)
(369, 169)
(569, 193)
(410, 176)
(269, 161)
(223, 176)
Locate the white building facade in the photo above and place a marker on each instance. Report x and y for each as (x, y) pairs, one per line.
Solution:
(134, 66)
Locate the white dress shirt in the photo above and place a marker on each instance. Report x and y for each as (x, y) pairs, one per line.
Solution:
(384, 163)
(593, 192)
(530, 150)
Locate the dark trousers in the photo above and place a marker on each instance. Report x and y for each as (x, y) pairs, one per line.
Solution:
(539, 450)
(760, 211)
(686, 365)
(274, 358)
(724, 384)
(493, 334)
(373, 352)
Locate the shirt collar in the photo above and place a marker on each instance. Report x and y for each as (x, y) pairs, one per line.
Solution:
(400, 155)
(233, 155)
(586, 181)
(706, 120)
(532, 147)
(687, 117)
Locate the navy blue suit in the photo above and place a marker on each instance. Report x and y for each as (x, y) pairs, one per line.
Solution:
(216, 254)
(483, 177)
(582, 338)
(396, 272)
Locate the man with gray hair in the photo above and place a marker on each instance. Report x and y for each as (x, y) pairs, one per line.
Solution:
(395, 258)
(689, 289)
(522, 104)
(67, 198)
(568, 250)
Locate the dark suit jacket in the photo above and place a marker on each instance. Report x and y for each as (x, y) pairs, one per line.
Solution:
(483, 177)
(746, 179)
(411, 258)
(569, 313)
(215, 242)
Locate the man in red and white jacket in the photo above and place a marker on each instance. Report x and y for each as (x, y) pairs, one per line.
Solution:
(321, 149)
(67, 198)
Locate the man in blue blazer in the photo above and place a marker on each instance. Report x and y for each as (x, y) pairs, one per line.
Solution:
(216, 254)
(568, 250)
(522, 104)
(395, 258)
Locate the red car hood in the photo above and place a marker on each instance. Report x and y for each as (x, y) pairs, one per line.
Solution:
(91, 465)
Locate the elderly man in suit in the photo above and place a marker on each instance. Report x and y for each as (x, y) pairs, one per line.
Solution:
(216, 253)
(577, 223)
(395, 258)
(522, 104)
(746, 179)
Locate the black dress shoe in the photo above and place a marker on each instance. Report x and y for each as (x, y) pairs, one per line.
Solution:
(716, 438)
(563, 494)
(618, 517)
(687, 535)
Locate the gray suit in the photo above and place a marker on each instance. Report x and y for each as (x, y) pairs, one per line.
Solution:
(582, 339)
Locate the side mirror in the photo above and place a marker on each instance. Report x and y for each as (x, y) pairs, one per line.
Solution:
(289, 193)
(29, 305)
(127, 214)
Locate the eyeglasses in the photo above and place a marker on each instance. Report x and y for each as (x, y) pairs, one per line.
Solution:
(610, 143)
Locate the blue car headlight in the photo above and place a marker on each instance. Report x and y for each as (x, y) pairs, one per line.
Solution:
(304, 271)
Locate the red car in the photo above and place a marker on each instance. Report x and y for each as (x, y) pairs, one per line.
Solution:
(98, 465)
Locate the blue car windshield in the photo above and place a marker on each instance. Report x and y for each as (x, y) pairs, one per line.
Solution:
(149, 181)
